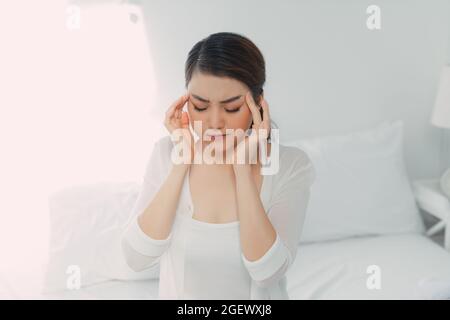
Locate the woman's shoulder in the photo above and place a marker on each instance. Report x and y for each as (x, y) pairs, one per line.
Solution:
(162, 149)
(294, 157)
(295, 163)
(164, 144)
(160, 155)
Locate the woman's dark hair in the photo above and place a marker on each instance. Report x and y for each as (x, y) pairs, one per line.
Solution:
(226, 54)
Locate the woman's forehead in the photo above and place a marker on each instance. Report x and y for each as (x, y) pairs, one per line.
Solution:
(214, 88)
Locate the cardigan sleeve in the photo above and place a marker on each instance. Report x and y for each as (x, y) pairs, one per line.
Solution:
(287, 213)
(140, 250)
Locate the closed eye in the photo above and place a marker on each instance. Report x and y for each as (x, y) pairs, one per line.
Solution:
(227, 110)
(233, 110)
(200, 109)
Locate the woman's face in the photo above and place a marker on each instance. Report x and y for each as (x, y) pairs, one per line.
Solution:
(219, 103)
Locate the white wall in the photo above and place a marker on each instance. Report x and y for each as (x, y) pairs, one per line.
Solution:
(326, 72)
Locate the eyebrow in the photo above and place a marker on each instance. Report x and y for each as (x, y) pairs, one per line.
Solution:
(222, 102)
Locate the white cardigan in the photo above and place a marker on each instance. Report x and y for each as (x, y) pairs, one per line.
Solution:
(197, 255)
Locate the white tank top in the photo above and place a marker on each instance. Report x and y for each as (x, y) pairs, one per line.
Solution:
(213, 265)
(206, 257)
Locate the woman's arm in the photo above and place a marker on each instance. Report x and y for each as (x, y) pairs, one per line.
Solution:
(256, 231)
(269, 241)
(148, 235)
(157, 219)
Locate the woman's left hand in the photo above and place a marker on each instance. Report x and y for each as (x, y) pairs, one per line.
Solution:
(247, 148)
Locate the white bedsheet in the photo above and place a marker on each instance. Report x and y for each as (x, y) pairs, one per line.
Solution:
(338, 269)
(326, 270)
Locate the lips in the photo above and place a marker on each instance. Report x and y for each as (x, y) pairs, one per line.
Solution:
(216, 136)
(213, 133)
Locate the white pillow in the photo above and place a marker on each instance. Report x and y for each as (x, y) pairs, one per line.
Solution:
(361, 188)
(86, 225)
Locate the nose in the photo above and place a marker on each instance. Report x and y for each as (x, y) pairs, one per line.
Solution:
(216, 120)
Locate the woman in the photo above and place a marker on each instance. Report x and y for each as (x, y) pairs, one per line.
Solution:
(220, 230)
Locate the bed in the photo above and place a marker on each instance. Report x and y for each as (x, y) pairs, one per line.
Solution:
(414, 267)
(367, 241)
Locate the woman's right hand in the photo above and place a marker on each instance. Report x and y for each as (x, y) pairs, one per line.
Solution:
(177, 123)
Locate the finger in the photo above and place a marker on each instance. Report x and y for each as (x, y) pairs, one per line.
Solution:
(184, 120)
(253, 108)
(173, 114)
(265, 107)
(179, 103)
